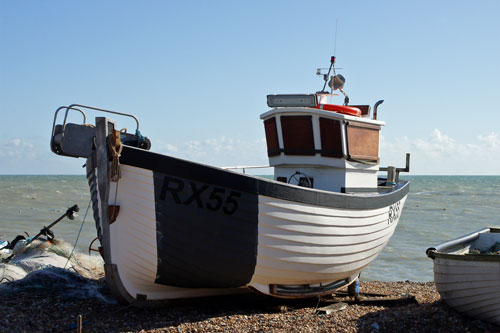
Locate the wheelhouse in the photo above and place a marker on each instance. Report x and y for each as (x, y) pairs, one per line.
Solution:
(315, 145)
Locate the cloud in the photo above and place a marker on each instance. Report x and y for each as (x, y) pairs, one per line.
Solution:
(17, 148)
(20, 143)
(492, 140)
(33, 156)
(221, 151)
(435, 153)
(439, 153)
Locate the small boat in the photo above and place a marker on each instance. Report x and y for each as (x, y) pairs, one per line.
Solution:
(172, 228)
(467, 274)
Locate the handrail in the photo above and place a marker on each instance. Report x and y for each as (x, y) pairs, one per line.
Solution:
(108, 111)
(247, 167)
(65, 117)
(78, 107)
(405, 169)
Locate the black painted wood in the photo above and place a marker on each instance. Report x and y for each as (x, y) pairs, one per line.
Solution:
(206, 234)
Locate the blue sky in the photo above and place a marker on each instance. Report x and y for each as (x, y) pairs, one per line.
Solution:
(197, 73)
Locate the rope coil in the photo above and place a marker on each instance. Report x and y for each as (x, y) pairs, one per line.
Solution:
(115, 148)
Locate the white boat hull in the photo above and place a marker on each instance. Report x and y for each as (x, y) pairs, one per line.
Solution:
(297, 244)
(469, 283)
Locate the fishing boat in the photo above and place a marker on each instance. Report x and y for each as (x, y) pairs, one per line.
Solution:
(172, 228)
(467, 275)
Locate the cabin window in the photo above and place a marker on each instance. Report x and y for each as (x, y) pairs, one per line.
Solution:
(298, 136)
(273, 147)
(331, 139)
(362, 141)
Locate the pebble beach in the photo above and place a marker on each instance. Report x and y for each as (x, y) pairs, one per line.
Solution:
(54, 306)
(421, 310)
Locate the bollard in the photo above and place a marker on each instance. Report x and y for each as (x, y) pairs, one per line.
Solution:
(391, 175)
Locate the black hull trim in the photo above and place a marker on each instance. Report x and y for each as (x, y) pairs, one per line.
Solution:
(254, 185)
(206, 235)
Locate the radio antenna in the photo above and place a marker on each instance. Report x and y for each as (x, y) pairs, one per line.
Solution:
(335, 43)
(332, 60)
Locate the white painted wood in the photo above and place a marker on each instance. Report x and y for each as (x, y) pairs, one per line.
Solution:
(304, 244)
(471, 287)
(318, 161)
(316, 131)
(355, 178)
(316, 211)
(331, 178)
(280, 132)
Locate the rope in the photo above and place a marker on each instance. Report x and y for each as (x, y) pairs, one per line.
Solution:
(79, 232)
(115, 147)
(116, 193)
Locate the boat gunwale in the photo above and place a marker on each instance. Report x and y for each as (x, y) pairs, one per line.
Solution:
(438, 251)
(468, 256)
(191, 170)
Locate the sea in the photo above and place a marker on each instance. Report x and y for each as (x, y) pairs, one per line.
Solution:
(438, 208)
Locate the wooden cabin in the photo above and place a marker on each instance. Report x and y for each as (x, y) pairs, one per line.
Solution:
(315, 147)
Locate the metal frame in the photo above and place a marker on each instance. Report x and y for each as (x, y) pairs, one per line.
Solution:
(296, 291)
(78, 107)
(244, 167)
(398, 170)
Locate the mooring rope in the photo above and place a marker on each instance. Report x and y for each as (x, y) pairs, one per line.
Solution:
(115, 147)
(79, 232)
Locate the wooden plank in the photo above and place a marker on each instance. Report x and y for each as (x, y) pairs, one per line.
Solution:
(102, 131)
(273, 148)
(298, 136)
(363, 141)
(332, 308)
(331, 138)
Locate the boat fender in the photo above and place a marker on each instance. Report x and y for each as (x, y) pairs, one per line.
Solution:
(344, 109)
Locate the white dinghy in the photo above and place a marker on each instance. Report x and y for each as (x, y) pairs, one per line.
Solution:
(467, 273)
(172, 228)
